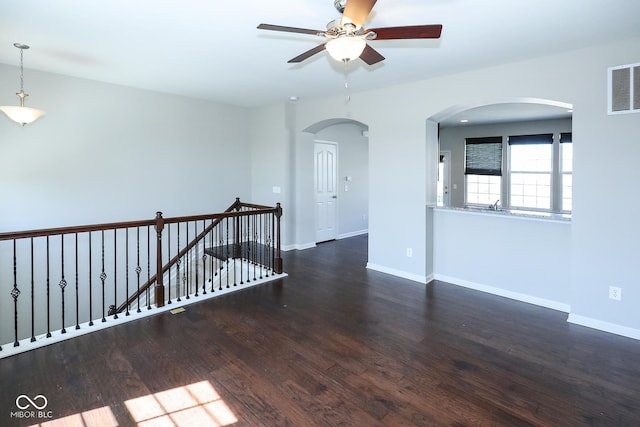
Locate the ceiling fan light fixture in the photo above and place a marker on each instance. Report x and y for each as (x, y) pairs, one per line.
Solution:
(21, 114)
(346, 48)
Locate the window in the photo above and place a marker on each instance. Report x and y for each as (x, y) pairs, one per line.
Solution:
(483, 170)
(566, 171)
(483, 189)
(530, 172)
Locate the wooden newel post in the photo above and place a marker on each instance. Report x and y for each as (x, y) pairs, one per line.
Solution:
(159, 275)
(278, 258)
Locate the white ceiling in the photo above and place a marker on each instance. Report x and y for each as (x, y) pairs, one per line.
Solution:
(212, 49)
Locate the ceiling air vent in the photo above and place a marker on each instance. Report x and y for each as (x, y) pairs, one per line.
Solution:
(624, 89)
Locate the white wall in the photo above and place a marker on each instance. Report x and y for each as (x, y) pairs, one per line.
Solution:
(521, 258)
(110, 153)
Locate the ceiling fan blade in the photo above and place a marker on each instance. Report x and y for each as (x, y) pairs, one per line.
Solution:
(289, 29)
(370, 55)
(356, 11)
(408, 32)
(307, 54)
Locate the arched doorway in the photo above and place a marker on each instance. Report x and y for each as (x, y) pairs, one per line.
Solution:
(482, 119)
(340, 178)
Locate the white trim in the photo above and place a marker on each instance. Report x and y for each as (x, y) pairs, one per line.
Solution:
(399, 273)
(352, 234)
(530, 299)
(298, 246)
(604, 326)
(56, 336)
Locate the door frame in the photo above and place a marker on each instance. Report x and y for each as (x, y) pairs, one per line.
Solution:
(446, 197)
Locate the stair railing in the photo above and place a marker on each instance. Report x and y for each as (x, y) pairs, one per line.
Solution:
(75, 276)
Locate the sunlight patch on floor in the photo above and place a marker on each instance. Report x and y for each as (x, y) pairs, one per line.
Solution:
(99, 417)
(196, 404)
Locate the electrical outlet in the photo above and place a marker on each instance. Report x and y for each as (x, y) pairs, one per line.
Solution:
(615, 293)
(409, 252)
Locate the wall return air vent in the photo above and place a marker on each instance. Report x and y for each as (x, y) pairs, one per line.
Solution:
(624, 89)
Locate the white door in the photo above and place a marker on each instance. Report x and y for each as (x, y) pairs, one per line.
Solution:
(326, 191)
(443, 178)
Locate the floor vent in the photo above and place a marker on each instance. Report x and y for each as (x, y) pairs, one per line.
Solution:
(624, 89)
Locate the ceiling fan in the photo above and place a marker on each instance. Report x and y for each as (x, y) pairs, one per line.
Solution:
(347, 38)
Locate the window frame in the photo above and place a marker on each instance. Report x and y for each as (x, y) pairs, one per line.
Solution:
(489, 165)
(555, 139)
(532, 139)
(565, 138)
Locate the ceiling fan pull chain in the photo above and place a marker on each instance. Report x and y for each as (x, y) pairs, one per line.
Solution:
(346, 81)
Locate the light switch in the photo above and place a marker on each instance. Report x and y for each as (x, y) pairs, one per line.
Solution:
(276, 190)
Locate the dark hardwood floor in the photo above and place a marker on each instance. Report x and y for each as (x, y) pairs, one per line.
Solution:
(334, 344)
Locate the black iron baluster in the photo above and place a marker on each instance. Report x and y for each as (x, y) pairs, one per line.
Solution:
(178, 263)
(228, 251)
(138, 268)
(63, 282)
(169, 258)
(186, 271)
(247, 255)
(103, 277)
(15, 293)
(260, 246)
(33, 323)
(112, 308)
(213, 271)
(219, 261)
(77, 285)
(48, 294)
(148, 266)
(253, 244)
(204, 259)
(126, 270)
(243, 231)
(90, 282)
(271, 251)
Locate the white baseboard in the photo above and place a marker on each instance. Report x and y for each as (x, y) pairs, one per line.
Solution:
(298, 246)
(399, 273)
(352, 234)
(604, 326)
(555, 305)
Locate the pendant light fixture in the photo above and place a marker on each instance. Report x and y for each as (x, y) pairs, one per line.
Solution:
(23, 115)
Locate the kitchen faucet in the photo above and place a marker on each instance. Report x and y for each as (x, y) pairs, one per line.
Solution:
(495, 205)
